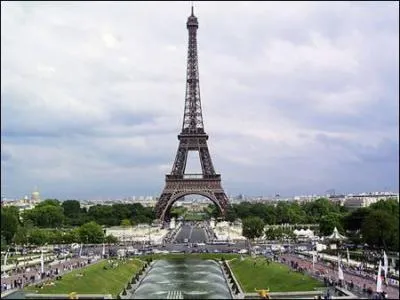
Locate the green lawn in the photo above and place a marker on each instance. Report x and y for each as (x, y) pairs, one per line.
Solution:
(95, 280)
(276, 277)
(192, 216)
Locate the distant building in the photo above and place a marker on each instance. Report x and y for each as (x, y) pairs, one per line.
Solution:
(140, 233)
(148, 203)
(365, 200)
(337, 199)
(306, 198)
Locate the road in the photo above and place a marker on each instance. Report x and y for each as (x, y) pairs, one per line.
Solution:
(192, 233)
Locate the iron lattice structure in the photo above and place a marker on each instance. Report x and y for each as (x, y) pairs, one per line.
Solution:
(192, 138)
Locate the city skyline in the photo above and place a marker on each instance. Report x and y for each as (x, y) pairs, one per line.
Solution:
(297, 99)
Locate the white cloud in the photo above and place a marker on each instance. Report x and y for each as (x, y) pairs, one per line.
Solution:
(110, 41)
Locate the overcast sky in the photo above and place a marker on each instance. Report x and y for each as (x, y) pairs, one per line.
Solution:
(298, 98)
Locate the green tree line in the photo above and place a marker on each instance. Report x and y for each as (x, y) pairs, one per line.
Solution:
(44, 222)
(376, 225)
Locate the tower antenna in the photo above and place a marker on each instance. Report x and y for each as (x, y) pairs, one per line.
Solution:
(192, 7)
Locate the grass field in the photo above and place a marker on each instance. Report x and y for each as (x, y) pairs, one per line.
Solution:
(95, 280)
(192, 216)
(276, 277)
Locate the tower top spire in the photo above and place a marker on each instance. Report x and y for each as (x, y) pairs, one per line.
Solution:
(192, 19)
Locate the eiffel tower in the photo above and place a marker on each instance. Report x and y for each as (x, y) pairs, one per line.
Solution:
(192, 138)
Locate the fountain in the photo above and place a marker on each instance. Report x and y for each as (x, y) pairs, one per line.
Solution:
(183, 279)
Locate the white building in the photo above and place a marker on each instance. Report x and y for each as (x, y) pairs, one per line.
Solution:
(365, 200)
(227, 232)
(140, 233)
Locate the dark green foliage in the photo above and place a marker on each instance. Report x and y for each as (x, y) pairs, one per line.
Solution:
(231, 215)
(110, 239)
(328, 222)
(353, 221)
(47, 214)
(377, 225)
(91, 232)
(9, 223)
(381, 229)
(252, 227)
(114, 214)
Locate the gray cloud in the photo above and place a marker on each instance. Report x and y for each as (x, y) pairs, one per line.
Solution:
(300, 97)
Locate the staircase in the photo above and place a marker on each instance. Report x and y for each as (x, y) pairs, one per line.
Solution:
(174, 295)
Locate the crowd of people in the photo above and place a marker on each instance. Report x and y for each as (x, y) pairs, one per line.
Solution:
(360, 281)
(22, 276)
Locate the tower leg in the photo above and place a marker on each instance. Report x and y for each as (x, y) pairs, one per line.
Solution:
(162, 205)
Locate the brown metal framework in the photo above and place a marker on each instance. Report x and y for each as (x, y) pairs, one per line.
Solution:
(192, 138)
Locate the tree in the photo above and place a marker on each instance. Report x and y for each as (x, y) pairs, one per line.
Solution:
(21, 236)
(74, 214)
(230, 214)
(354, 220)
(9, 223)
(110, 239)
(212, 211)
(177, 212)
(243, 209)
(270, 234)
(296, 214)
(390, 205)
(72, 208)
(380, 229)
(104, 215)
(53, 202)
(125, 223)
(282, 212)
(252, 227)
(38, 237)
(122, 211)
(270, 215)
(71, 236)
(328, 222)
(91, 232)
(54, 236)
(48, 215)
(315, 210)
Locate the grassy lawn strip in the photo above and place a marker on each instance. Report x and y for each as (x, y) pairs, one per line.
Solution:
(194, 217)
(96, 280)
(277, 277)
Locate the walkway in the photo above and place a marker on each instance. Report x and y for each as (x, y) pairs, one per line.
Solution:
(322, 270)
